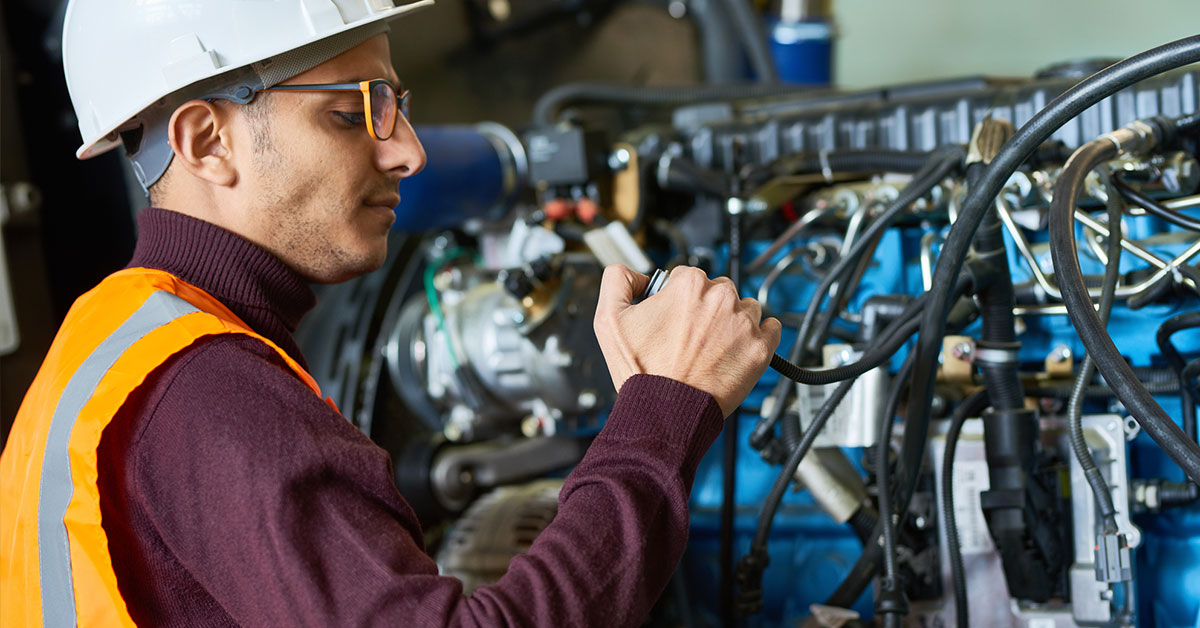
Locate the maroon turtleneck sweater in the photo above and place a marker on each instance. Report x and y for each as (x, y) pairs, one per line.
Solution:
(233, 496)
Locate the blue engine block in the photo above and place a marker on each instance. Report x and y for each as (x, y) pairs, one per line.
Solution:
(810, 554)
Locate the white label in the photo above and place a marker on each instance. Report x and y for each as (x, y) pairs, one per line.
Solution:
(1042, 623)
(970, 479)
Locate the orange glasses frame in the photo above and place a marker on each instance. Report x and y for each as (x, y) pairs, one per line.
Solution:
(403, 97)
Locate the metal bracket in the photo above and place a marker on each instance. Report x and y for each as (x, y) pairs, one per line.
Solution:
(1105, 436)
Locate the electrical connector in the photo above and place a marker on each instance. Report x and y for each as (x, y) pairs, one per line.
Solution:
(1112, 558)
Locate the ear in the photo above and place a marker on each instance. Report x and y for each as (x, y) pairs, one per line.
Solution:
(201, 135)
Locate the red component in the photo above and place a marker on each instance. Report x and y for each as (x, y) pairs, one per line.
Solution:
(789, 212)
(557, 209)
(587, 209)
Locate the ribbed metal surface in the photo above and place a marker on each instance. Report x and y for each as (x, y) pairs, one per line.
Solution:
(917, 117)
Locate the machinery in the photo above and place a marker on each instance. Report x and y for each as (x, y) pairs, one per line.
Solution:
(932, 265)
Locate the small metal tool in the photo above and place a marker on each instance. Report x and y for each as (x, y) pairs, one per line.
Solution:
(658, 280)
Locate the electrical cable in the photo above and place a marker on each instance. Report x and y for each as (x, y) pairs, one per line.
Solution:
(1097, 392)
(730, 449)
(938, 165)
(751, 566)
(891, 605)
(1140, 403)
(1028, 139)
(842, 291)
(1152, 207)
(1037, 130)
(754, 562)
(970, 407)
(1190, 372)
(1189, 396)
(1100, 490)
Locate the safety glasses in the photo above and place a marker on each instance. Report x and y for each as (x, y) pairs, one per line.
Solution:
(379, 98)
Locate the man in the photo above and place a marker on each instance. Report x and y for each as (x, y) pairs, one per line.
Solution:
(174, 464)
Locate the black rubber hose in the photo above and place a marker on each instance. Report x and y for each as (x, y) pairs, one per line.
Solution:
(1094, 392)
(844, 290)
(938, 165)
(1153, 208)
(767, 423)
(863, 522)
(868, 361)
(1037, 130)
(752, 565)
(1188, 396)
(893, 605)
(970, 407)
(729, 452)
(996, 311)
(1190, 372)
(895, 336)
(1188, 399)
(754, 40)
(868, 562)
(547, 108)
(1140, 403)
(941, 164)
(1100, 490)
(771, 505)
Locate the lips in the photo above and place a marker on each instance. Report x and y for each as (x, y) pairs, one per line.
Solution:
(389, 201)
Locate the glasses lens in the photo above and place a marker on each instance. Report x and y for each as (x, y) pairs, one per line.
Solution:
(383, 109)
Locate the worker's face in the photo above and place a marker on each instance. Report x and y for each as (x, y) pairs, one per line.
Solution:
(324, 188)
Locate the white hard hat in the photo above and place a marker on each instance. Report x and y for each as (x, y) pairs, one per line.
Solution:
(123, 56)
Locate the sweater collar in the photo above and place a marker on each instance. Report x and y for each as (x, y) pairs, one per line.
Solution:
(260, 289)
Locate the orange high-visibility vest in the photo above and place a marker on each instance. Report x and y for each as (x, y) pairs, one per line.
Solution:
(55, 568)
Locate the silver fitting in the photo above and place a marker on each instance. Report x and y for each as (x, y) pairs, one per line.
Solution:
(1136, 137)
(992, 355)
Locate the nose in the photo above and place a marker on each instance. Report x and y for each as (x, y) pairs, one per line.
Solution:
(401, 155)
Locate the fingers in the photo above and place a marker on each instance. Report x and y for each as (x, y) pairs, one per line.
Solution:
(618, 288)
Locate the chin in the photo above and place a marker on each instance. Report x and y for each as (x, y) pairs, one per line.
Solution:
(353, 265)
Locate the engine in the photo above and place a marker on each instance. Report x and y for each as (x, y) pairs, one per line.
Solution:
(1023, 488)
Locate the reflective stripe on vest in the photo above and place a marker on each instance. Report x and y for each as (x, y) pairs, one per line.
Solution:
(58, 600)
(55, 568)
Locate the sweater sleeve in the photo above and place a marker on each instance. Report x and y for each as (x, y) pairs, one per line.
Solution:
(286, 514)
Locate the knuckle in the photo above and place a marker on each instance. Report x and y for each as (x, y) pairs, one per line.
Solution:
(723, 287)
(689, 274)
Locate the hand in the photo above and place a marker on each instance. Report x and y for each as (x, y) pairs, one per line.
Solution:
(694, 331)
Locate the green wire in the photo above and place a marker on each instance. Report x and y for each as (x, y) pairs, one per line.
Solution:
(435, 305)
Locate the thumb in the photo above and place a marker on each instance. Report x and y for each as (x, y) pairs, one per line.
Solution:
(618, 288)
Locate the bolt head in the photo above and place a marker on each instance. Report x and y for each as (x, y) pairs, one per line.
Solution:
(619, 159)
